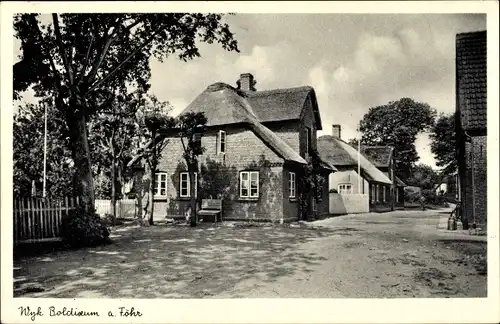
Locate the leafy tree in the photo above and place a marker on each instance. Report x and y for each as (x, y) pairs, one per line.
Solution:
(353, 142)
(443, 143)
(80, 60)
(190, 126)
(153, 124)
(397, 124)
(28, 146)
(424, 176)
(112, 135)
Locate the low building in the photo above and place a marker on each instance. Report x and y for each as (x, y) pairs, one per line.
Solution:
(363, 191)
(256, 145)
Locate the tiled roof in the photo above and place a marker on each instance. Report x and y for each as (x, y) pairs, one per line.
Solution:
(471, 79)
(339, 153)
(379, 155)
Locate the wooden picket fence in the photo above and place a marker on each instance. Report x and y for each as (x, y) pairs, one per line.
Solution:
(39, 220)
(125, 208)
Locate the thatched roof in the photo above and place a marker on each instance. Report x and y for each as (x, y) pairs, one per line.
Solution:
(339, 153)
(223, 104)
(283, 104)
(266, 106)
(378, 155)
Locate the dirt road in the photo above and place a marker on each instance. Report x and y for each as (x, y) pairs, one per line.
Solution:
(397, 254)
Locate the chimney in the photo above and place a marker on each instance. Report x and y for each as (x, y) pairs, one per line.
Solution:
(246, 82)
(336, 131)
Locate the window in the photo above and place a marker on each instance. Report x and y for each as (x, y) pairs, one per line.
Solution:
(249, 184)
(373, 193)
(185, 185)
(314, 204)
(160, 185)
(397, 195)
(221, 142)
(384, 188)
(345, 189)
(378, 194)
(308, 141)
(291, 184)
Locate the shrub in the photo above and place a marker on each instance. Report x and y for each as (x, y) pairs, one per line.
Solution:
(83, 229)
(333, 190)
(432, 198)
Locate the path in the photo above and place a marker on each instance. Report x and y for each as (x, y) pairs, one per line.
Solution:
(397, 254)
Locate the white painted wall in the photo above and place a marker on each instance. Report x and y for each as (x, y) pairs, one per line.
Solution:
(350, 177)
(349, 204)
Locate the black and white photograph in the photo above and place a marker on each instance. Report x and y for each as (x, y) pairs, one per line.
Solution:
(169, 153)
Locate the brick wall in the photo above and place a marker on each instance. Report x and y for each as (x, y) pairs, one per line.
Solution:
(294, 132)
(307, 120)
(287, 131)
(219, 176)
(475, 195)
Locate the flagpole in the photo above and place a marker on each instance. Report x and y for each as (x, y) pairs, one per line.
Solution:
(45, 152)
(359, 166)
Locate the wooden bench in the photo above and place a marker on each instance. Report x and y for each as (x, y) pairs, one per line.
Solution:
(211, 208)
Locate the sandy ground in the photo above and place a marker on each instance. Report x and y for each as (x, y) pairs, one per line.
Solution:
(397, 254)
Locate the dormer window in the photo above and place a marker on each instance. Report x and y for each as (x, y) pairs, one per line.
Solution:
(221, 142)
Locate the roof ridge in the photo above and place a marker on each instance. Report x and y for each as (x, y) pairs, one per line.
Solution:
(269, 91)
(471, 33)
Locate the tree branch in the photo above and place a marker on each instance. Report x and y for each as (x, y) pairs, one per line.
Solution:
(108, 41)
(110, 74)
(46, 53)
(87, 56)
(67, 65)
(122, 146)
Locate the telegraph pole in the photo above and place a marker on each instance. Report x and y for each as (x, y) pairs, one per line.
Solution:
(45, 152)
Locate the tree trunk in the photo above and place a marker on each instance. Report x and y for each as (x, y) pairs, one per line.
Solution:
(192, 195)
(151, 209)
(113, 183)
(83, 181)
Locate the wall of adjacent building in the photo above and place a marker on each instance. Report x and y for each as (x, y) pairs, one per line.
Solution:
(475, 198)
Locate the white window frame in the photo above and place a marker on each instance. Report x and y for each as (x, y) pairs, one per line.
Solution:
(292, 185)
(188, 185)
(222, 134)
(344, 190)
(158, 186)
(248, 181)
(378, 193)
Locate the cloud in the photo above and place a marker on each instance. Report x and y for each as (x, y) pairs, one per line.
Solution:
(259, 62)
(382, 68)
(353, 61)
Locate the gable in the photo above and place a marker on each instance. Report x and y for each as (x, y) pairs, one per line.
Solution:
(378, 155)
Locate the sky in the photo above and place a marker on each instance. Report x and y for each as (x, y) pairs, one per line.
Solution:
(353, 61)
